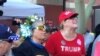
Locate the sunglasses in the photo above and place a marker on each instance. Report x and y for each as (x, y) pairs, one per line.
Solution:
(41, 27)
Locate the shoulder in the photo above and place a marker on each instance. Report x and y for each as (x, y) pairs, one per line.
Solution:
(22, 49)
(80, 36)
(98, 38)
(55, 36)
(24, 45)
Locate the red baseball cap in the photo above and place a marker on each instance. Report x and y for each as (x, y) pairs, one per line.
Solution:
(67, 15)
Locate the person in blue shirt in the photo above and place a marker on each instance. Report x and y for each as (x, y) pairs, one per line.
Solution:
(6, 40)
(32, 46)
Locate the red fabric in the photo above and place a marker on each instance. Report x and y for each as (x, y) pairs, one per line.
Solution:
(66, 15)
(58, 46)
(97, 49)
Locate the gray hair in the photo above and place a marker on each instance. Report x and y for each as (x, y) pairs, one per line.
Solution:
(61, 26)
(36, 23)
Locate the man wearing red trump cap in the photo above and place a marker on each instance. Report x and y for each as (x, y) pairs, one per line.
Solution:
(66, 42)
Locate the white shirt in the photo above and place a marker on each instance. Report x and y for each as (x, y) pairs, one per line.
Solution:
(88, 37)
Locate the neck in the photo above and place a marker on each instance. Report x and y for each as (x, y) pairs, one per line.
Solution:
(68, 33)
(37, 40)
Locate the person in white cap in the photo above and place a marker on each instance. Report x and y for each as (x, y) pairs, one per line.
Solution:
(6, 40)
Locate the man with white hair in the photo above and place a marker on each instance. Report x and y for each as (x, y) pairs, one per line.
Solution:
(32, 46)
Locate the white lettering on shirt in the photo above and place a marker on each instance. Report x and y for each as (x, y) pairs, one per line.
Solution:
(70, 49)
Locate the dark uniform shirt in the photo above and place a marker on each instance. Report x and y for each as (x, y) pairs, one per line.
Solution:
(29, 48)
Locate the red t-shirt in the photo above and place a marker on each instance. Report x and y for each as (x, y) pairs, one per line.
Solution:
(58, 46)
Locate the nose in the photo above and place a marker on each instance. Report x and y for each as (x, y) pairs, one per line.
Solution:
(75, 21)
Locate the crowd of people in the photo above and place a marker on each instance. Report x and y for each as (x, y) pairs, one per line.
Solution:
(50, 41)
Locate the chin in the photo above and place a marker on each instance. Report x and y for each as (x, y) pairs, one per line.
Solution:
(75, 27)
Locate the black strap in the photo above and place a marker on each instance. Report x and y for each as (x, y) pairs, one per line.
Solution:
(89, 50)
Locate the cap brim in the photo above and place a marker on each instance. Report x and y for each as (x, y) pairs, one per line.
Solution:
(74, 15)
